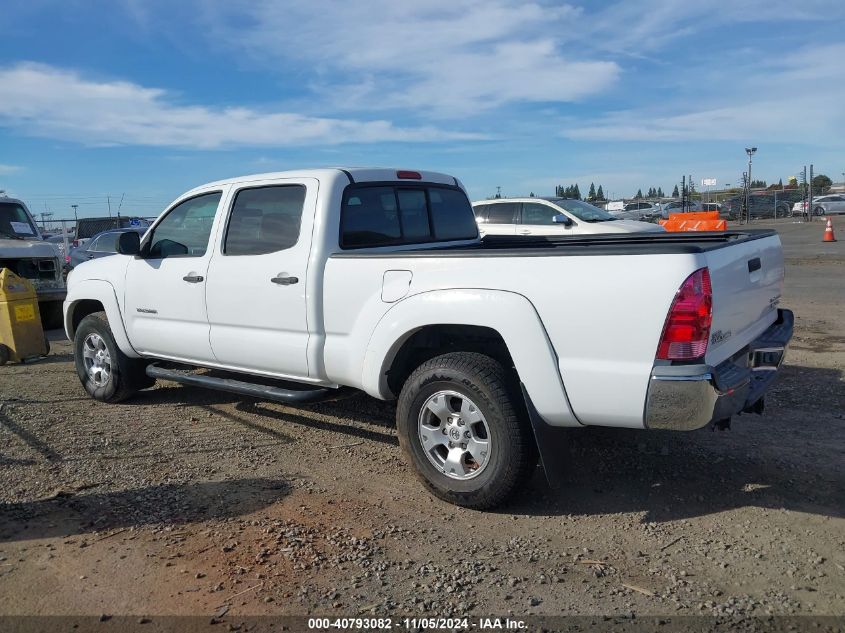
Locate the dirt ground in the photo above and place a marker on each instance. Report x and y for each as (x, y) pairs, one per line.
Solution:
(185, 501)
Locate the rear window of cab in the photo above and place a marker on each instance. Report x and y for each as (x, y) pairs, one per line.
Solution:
(391, 215)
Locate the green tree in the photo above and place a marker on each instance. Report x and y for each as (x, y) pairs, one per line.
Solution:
(592, 194)
(639, 194)
(531, 195)
(821, 183)
(675, 193)
(660, 192)
(576, 192)
(600, 194)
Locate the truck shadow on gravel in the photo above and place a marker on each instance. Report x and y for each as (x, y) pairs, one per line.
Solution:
(670, 476)
(66, 513)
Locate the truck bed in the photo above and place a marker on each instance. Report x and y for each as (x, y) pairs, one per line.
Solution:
(603, 315)
(610, 244)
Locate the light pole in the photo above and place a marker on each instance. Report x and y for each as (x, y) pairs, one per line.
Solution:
(74, 207)
(750, 151)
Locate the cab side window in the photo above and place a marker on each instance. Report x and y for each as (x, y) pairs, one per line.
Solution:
(264, 220)
(185, 230)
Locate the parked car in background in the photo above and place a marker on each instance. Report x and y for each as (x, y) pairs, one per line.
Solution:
(24, 252)
(676, 206)
(550, 216)
(59, 241)
(636, 211)
(800, 207)
(760, 206)
(100, 245)
(829, 205)
(86, 228)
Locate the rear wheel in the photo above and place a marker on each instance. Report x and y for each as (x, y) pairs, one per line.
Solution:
(105, 372)
(819, 211)
(460, 427)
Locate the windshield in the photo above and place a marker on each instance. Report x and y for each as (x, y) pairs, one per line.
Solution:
(584, 211)
(15, 222)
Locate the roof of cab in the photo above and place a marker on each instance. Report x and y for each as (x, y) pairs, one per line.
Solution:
(349, 174)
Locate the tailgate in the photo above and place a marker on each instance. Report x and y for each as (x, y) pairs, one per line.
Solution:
(747, 278)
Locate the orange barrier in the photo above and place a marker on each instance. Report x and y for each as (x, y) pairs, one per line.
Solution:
(696, 221)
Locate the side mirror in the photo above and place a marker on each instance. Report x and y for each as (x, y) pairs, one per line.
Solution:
(562, 219)
(129, 243)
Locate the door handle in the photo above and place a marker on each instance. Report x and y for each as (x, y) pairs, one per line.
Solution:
(524, 231)
(285, 281)
(193, 279)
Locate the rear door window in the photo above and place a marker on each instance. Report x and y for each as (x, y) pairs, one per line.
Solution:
(264, 220)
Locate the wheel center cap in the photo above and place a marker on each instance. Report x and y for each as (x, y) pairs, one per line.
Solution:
(454, 433)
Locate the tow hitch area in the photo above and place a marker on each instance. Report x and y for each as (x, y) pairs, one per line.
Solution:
(757, 407)
(767, 359)
(721, 425)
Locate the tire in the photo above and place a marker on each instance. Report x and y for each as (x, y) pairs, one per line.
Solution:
(489, 474)
(119, 376)
(818, 211)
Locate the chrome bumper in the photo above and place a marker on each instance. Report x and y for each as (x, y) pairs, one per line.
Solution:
(688, 397)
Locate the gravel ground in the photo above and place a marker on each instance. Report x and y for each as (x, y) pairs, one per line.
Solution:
(185, 501)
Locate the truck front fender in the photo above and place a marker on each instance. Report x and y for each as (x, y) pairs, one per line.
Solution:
(83, 295)
(510, 314)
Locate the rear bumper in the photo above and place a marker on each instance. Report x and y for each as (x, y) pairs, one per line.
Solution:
(688, 397)
(51, 294)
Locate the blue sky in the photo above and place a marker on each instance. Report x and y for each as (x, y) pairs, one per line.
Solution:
(141, 100)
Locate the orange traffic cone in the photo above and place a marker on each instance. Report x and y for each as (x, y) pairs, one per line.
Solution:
(828, 232)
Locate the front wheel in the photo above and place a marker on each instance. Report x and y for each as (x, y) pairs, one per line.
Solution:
(819, 211)
(460, 427)
(106, 373)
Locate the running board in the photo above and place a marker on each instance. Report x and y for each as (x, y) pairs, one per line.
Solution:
(263, 392)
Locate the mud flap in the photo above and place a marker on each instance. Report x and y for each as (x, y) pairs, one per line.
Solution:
(547, 437)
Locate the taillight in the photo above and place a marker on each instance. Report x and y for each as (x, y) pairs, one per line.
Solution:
(687, 326)
(409, 175)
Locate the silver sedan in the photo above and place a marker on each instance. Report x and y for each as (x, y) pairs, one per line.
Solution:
(829, 205)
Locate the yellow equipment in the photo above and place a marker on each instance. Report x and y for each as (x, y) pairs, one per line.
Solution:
(21, 336)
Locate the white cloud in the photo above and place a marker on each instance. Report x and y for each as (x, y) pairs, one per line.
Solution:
(797, 99)
(444, 58)
(646, 26)
(5, 170)
(51, 102)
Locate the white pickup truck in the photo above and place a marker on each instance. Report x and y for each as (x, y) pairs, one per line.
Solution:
(292, 286)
